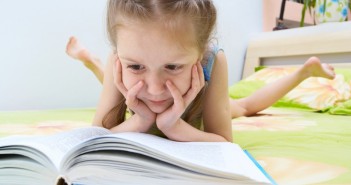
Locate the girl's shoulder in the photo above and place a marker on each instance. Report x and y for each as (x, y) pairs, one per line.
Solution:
(209, 59)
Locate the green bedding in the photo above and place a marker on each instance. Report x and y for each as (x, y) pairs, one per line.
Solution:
(295, 146)
(43, 122)
(298, 146)
(315, 93)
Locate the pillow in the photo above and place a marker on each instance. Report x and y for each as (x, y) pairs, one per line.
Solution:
(313, 93)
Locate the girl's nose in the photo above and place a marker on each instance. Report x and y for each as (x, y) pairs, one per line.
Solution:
(155, 85)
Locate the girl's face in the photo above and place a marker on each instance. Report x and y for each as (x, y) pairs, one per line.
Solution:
(148, 54)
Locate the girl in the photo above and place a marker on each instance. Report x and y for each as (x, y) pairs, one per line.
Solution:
(156, 71)
(167, 74)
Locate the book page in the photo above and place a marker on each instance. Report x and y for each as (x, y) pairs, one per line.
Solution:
(54, 146)
(216, 158)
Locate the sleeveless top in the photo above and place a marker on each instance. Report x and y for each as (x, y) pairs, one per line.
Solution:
(207, 66)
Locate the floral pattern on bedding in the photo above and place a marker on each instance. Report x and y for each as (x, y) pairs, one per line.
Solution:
(321, 93)
(298, 146)
(293, 171)
(270, 123)
(295, 146)
(315, 93)
(43, 122)
(41, 128)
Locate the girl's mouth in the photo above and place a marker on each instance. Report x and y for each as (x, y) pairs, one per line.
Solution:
(157, 102)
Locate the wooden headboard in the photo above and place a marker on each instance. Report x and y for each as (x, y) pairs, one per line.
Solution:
(331, 42)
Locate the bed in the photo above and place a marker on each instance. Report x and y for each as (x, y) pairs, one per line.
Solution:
(295, 143)
(298, 141)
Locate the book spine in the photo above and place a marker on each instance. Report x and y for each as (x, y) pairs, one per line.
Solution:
(61, 181)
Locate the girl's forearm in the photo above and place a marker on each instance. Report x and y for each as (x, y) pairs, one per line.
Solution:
(134, 124)
(182, 131)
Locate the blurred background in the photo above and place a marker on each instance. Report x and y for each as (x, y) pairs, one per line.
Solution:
(36, 73)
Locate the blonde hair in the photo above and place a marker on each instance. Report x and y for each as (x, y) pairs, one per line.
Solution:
(177, 17)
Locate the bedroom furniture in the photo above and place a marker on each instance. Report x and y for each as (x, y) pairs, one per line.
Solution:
(330, 41)
(299, 145)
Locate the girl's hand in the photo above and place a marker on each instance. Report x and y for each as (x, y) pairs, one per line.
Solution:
(132, 102)
(170, 117)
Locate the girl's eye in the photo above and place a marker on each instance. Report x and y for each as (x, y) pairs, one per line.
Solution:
(173, 67)
(135, 67)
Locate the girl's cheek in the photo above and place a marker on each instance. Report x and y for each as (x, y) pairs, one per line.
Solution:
(129, 80)
(183, 84)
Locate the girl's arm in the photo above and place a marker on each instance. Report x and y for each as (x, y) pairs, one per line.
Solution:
(183, 131)
(110, 96)
(135, 123)
(216, 111)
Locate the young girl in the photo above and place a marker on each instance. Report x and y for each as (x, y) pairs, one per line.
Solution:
(167, 74)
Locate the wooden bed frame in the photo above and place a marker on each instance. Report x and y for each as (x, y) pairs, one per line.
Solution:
(331, 42)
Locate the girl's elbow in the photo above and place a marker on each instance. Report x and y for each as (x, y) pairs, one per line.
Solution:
(228, 139)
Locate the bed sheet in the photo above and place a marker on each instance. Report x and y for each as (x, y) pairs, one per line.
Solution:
(295, 146)
(43, 122)
(298, 146)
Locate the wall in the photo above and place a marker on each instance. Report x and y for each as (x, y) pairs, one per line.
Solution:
(36, 73)
(292, 14)
(237, 21)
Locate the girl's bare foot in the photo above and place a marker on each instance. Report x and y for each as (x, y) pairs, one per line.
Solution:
(77, 51)
(316, 69)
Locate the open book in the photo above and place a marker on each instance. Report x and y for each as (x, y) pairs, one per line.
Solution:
(93, 155)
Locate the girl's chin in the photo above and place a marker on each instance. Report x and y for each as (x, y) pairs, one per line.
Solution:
(158, 108)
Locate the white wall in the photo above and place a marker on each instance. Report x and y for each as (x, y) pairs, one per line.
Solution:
(238, 20)
(36, 73)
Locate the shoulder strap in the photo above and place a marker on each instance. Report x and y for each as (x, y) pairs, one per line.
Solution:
(214, 49)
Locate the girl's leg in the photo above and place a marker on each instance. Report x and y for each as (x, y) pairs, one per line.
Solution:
(272, 92)
(75, 50)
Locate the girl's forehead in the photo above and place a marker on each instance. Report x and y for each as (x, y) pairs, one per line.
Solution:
(149, 42)
(181, 34)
